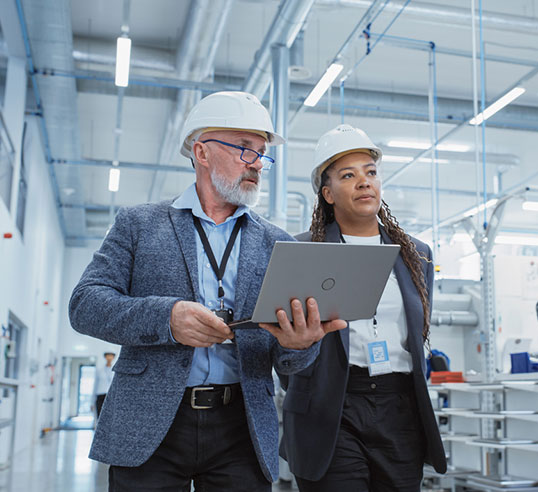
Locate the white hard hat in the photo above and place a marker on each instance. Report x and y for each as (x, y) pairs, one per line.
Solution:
(228, 111)
(342, 140)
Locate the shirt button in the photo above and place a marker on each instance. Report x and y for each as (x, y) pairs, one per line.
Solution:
(373, 386)
(208, 265)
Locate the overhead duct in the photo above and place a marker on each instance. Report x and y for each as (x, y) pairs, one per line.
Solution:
(50, 33)
(194, 61)
(91, 51)
(284, 29)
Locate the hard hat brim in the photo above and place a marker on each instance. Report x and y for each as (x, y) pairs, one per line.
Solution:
(272, 138)
(315, 177)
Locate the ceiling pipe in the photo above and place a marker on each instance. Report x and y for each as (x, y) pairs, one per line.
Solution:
(360, 103)
(195, 60)
(284, 29)
(442, 14)
(55, 98)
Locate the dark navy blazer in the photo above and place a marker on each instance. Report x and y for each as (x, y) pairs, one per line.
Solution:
(315, 396)
(147, 263)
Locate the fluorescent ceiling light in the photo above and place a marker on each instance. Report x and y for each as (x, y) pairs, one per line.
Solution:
(323, 84)
(114, 180)
(422, 145)
(405, 159)
(123, 59)
(497, 105)
(480, 208)
(396, 158)
(429, 161)
(518, 240)
(454, 147)
(532, 206)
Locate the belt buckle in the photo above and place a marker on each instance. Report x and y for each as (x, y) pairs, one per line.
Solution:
(193, 397)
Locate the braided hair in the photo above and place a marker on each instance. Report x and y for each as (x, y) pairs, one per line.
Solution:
(323, 215)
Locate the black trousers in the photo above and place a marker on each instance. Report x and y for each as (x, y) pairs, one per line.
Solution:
(380, 445)
(211, 448)
(99, 403)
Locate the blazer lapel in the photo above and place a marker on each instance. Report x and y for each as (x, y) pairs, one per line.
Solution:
(184, 229)
(251, 240)
(333, 235)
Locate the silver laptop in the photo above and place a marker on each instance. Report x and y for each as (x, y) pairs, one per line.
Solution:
(346, 280)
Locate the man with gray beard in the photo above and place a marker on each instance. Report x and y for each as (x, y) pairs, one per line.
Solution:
(191, 401)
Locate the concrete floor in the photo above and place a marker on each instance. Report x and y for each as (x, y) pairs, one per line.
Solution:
(59, 463)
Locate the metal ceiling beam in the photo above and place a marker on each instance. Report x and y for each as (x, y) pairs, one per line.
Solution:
(363, 103)
(141, 166)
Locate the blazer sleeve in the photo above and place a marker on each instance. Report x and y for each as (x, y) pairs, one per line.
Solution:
(100, 304)
(288, 361)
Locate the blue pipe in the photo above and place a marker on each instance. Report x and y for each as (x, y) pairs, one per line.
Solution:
(44, 133)
(173, 84)
(435, 128)
(351, 70)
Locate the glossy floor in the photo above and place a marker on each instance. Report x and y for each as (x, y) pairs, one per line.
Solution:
(59, 463)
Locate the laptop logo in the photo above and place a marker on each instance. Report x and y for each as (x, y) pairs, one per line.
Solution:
(328, 284)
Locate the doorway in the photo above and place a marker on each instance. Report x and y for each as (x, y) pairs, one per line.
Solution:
(77, 396)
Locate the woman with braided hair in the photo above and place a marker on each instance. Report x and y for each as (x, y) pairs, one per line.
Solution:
(360, 419)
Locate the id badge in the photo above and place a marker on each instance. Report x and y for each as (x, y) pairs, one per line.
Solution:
(377, 355)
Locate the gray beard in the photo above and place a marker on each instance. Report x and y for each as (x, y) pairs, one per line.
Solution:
(232, 191)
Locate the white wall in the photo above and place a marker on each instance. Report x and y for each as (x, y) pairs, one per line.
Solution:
(72, 343)
(30, 286)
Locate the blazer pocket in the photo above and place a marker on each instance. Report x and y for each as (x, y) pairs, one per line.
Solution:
(130, 366)
(296, 401)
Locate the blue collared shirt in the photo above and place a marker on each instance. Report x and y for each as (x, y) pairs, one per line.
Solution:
(216, 364)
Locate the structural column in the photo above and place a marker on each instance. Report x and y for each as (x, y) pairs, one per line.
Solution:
(278, 177)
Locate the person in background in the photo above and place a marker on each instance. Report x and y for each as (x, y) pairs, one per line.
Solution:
(186, 405)
(360, 418)
(103, 379)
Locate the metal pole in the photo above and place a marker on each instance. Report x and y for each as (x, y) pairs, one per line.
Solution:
(432, 101)
(475, 110)
(278, 195)
(482, 109)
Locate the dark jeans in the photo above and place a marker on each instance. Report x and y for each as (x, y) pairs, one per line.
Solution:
(380, 445)
(210, 447)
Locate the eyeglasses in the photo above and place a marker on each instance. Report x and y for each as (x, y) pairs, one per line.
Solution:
(248, 156)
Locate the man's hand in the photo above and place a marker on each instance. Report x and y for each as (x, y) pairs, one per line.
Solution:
(195, 325)
(302, 333)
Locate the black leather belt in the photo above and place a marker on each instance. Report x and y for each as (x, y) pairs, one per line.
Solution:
(214, 396)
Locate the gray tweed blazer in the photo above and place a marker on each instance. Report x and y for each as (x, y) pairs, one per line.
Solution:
(146, 263)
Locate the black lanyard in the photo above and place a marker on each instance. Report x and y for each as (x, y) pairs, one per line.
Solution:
(219, 270)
